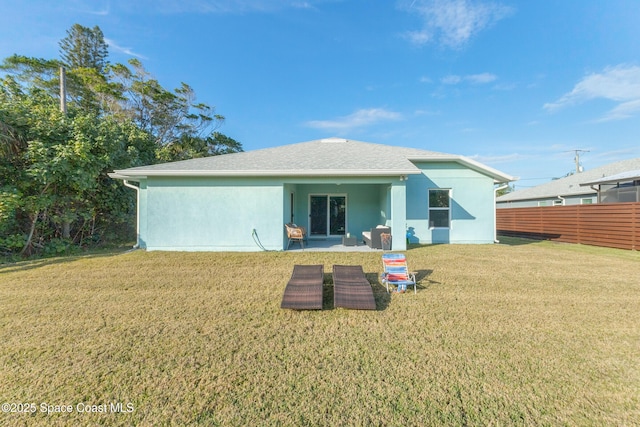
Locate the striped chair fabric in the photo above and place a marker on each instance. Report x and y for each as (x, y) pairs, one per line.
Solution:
(396, 272)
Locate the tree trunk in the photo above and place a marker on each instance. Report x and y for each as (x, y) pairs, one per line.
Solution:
(30, 238)
(66, 230)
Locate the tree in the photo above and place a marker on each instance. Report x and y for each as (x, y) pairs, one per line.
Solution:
(84, 47)
(34, 72)
(190, 147)
(60, 172)
(164, 114)
(54, 188)
(509, 189)
(127, 92)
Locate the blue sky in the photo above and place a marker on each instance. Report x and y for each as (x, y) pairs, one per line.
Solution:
(517, 85)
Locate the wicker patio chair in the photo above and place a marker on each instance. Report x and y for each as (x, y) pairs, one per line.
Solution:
(295, 234)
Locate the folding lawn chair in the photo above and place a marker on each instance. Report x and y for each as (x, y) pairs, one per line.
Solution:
(396, 271)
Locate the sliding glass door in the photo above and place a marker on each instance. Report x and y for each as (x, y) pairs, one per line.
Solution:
(327, 215)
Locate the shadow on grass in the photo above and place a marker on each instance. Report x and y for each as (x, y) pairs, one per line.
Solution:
(380, 294)
(423, 281)
(43, 262)
(414, 246)
(519, 241)
(383, 299)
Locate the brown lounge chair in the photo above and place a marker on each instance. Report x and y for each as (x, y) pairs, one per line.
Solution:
(351, 289)
(304, 289)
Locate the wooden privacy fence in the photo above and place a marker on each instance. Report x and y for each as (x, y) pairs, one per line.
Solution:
(613, 225)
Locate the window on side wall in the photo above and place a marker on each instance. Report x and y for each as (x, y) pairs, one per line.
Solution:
(439, 208)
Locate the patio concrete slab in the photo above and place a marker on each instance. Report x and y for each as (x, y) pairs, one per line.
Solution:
(330, 245)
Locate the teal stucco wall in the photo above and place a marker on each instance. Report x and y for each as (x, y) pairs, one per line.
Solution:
(472, 210)
(221, 214)
(205, 214)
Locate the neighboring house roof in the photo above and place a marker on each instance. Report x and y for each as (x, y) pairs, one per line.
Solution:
(572, 185)
(323, 157)
(633, 175)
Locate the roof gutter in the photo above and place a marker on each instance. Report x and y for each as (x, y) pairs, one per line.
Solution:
(597, 190)
(134, 175)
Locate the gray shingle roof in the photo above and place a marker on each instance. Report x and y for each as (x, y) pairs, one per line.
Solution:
(323, 157)
(619, 177)
(571, 185)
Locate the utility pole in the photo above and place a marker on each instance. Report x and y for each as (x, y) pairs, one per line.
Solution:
(63, 91)
(577, 158)
(66, 224)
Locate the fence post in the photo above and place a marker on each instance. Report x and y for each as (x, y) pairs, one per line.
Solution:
(635, 227)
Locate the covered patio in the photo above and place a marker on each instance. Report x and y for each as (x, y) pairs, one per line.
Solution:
(329, 245)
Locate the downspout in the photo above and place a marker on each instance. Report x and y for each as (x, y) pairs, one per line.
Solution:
(495, 214)
(126, 184)
(597, 190)
(563, 200)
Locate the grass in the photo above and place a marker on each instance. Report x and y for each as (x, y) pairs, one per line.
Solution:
(524, 333)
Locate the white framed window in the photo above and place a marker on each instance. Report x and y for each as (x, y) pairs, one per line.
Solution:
(586, 201)
(439, 208)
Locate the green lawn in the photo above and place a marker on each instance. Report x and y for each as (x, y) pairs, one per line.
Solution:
(519, 334)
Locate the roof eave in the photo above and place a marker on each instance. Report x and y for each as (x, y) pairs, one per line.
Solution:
(608, 182)
(141, 174)
(547, 197)
(498, 177)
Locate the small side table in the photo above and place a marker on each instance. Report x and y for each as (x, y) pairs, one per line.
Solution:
(349, 241)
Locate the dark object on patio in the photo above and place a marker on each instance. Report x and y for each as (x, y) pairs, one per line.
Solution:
(304, 289)
(372, 238)
(385, 238)
(351, 289)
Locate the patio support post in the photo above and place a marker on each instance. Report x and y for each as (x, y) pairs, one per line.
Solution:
(398, 220)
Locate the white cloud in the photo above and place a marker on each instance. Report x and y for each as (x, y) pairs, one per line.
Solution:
(419, 113)
(482, 78)
(452, 23)
(360, 118)
(126, 50)
(620, 84)
(451, 79)
(418, 37)
(103, 12)
(505, 86)
(623, 111)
